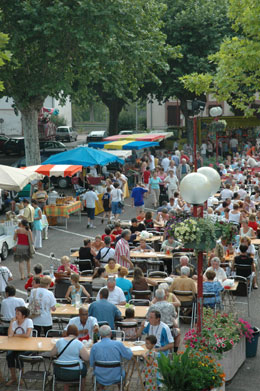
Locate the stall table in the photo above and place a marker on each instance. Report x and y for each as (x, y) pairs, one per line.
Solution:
(63, 211)
(71, 310)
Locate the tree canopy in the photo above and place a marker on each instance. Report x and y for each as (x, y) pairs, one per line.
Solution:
(198, 27)
(4, 55)
(237, 78)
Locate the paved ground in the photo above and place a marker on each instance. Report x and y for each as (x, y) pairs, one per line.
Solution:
(61, 240)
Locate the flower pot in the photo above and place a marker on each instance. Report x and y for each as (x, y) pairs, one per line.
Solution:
(251, 347)
(232, 360)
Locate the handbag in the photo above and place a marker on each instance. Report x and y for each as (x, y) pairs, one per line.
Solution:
(120, 203)
(34, 306)
(31, 246)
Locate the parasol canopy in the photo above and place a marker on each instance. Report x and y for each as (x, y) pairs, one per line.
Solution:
(56, 170)
(12, 178)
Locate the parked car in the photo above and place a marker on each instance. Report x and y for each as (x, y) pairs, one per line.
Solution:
(126, 132)
(96, 135)
(66, 133)
(52, 147)
(3, 139)
(14, 145)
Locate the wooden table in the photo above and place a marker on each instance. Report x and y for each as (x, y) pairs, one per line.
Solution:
(26, 344)
(255, 241)
(63, 210)
(151, 254)
(156, 238)
(157, 280)
(71, 310)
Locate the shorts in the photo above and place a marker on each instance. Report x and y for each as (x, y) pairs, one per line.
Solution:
(106, 208)
(140, 207)
(116, 210)
(91, 213)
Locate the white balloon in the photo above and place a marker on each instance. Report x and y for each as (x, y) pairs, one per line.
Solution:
(215, 111)
(195, 188)
(213, 178)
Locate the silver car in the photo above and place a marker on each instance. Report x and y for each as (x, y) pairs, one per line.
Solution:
(66, 133)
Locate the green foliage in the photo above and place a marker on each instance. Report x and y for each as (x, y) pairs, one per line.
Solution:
(237, 62)
(189, 372)
(4, 55)
(58, 120)
(198, 27)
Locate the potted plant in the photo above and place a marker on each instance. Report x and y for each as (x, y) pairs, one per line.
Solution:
(222, 336)
(190, 371)
(196, 233)
(225, 230)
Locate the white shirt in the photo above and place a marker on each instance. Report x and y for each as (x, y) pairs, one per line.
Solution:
(234, 217)
(233, 143)
(220, 274)
(116, 195)
(46, 300)
(242, 193)
(9, 305)
(172, 182)
(203, 149)
(115, 297)
(22, 329)
(165, 163)
(105, 254)
(151, 163)
(90, 197)
(212, 201)
(90, 324)
(93, 171)
(5, 274)
(226, 193)
(251, 162)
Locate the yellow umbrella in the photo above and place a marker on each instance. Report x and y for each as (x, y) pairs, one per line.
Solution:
(116, 144)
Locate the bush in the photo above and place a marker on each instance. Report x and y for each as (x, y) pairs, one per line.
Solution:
(58, 120)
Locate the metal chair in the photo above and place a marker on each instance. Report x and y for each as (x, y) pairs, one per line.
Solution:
(124, 326)
(65, 364)
(61, 287)
(118, 335)
(139, 302)
(146, 295)
(85, 264)
(87, 272)
(109, 365)
(154, 265)
(210, 295)
(60, 322)
(191, 304)
(61, 300)
(52, 333)
(32, 375)
(74, 249)
(245, 271)
(244, 282)
(34, 333)
(156, 274)
(130, 273)
(103, 323)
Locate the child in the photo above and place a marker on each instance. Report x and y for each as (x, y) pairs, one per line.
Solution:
(141, 216)
(150, 364)
(106, 199)
(117, 230)
(74, 289)
(146, 177)
(130, 333)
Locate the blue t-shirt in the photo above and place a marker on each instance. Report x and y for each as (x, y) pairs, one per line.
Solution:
(138, 195)
(72, 352)
(155, 183)
(102, 310)
(162, 332)
(212, 287)
(125, 285)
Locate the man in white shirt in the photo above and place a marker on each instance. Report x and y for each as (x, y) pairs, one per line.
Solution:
(10, 303)
(242, 192)
(151, 162)
(226, 193)
(87, 325)
(165, 162)
(106, 252)
(172, 182)
(116, 295)
(233, 144)
(90, 197)
(203, 149)
(5, 276)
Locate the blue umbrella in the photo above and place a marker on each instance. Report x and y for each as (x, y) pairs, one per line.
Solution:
(84, 156)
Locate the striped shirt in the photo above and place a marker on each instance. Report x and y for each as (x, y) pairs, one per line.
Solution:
(122, 248)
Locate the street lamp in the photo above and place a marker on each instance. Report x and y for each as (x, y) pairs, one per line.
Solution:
(195, 107)
(216, 112)
(195, 189)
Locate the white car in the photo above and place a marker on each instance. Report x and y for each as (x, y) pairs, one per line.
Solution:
(66, 133)
(96, 135)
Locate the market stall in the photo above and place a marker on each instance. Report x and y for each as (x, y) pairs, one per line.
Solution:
(123, 144)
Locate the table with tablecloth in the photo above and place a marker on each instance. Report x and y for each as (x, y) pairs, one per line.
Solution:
(54, 211)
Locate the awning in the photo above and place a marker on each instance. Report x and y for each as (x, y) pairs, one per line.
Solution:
(12, 178)
(57, 170)
(140, 137)
(83, 156)
(123, 144)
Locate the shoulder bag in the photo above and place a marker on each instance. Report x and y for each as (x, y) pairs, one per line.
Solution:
(120, 203)
(65, 347)
(34, 306)
(31, 246)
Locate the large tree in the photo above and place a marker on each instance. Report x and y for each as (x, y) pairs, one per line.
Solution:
(237, 78)
(198, 27)
(134, 54)
(4, 55)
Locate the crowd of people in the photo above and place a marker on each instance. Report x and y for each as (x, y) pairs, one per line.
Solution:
(118, 278)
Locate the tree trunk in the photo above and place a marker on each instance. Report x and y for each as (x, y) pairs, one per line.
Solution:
(188, 121)
(31, 137)
(115, 108)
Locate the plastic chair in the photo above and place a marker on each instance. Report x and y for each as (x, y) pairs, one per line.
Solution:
(156, 274)
(108, 365)
(84, 264)
(139, 302)
(53, 333)
(65, 364)
(32, 375)
(191, 304)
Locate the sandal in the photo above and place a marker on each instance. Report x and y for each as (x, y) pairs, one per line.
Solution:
(11, 382)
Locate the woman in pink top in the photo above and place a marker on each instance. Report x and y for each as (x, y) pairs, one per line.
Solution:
(22, 252)
(66, 266)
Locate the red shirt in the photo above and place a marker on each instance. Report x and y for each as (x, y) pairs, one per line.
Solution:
(29, 282)
(185, 157)
(72, 267)
(253, 224)
(146, 175)
(117, 232)
(113, 237)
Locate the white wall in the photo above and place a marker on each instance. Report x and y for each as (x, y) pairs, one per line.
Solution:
(12, 123)
(156, 118)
